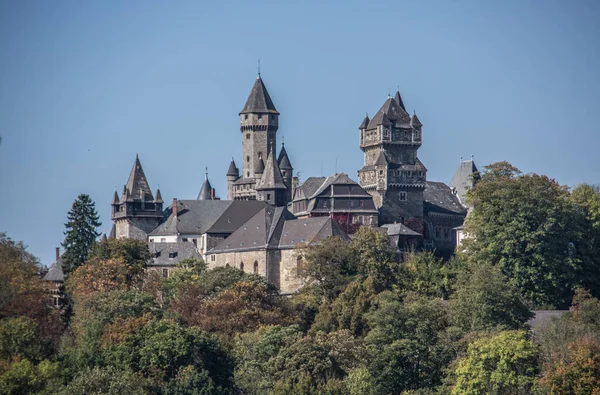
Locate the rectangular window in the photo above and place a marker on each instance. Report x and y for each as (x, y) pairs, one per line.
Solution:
(195, 241)
(163, 240)
(165, 273)
(213, 258)
(361, 203)
(351, 203)
(247, 135)
(157, 254)
(172, 255)
(402, 196)
(184, 239)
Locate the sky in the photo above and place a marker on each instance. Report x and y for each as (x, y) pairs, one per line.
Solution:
(87, 85)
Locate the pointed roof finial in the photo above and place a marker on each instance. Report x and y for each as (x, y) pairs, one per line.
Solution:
(258, 67)
(389, 93)
(282, 140)
(206, 172)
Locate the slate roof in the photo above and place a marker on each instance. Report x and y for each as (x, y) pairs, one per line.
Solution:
(543, 317)
(438, 197)
(271, 178)
(158, 198)
(55, 272)
(309, 187)
(276, 227)
(400, 230)
(205, 190)
(137, 188)
(113, 232)
(233, 170)
(259, 100)
(159, 253)
(464, 179)
(259, 166)
(414, 121)
(398, 100)
(283, 160)
(238, 212)
(381, 160)
(365, 122)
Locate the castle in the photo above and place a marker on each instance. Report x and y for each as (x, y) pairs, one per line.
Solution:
(267, 215)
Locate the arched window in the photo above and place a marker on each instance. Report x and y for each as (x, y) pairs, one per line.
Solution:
(255, 267)
(242, 266)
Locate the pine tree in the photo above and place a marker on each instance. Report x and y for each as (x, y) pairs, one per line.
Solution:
(81, 233)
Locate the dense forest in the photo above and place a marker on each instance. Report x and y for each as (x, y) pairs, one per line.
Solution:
(365, 323)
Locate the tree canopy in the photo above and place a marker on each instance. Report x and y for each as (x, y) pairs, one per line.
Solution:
(80, 234)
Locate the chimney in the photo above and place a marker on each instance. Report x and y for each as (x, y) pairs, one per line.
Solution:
(212, 193)
(174, 207)
(57, 253)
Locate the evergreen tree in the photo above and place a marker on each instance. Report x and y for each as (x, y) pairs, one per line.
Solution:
(81, 233)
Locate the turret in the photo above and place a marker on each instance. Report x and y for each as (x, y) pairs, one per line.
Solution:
(206, 191)
(232, 175)
(287, 171)
(271, 188)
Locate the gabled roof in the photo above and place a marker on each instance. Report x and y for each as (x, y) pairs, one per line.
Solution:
(205, 190)
(259, 100)
(381, 160)
(193, 217)
(309, 187)
(238, 212)
(137, 184)
(233, 170)
(398, 100)
(276, 227)
(55, 272)
(438, 197)
(271, 178)
(399, 230)
(283, 160)
(464, 179)
(169, 254)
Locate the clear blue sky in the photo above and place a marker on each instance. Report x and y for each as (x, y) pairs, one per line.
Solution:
(85, 85)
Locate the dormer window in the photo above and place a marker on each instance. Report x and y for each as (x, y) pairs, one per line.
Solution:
(172, 255)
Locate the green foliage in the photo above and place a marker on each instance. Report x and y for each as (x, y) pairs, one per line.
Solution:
(23, 377)
(359, 382)
(428, 275)
(19, 339)
(375, 257)
(133, 252)
(406, 342)
(484, 299)
(529, 227)
(80, 234)
(107, 380)
(506, 363)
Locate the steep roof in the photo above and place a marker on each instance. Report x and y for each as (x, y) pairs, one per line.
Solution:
(414, 121)
(193, 217)
(158, 198)
(283, 160)
(464, 179)
(238, 212)
(205, 190)
(399, 230)
(271, 178)
(398, 100)
(137, 184)
(438, 197)
(381, 160)
(259, 100)
(276, 227)
(259, 166)
(394, 112)
(168, 254)
(365, 122)
(309, 187)
(233, 170)
(55, 272)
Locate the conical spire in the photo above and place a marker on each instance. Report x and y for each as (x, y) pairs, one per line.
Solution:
(137, 184)
(365, 122)
(259, 166)
(206, 190)
(398, 99)
(233, 170)
(271, 178)
(283, 160)
(259, 100)
(159, 198)
(115, 198)
(415, 122)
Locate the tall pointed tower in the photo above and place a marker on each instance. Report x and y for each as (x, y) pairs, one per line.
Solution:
(392, 172)
(259, 121)
(271, 187)
(137, 212)
(287, 171)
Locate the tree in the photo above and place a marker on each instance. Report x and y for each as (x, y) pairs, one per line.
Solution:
(529, 227)
(25, 377)
(375, 257)
(81, 233)
(428, 275)
(19, 339)
(484, 299)
(107, 380)
(98, 275)
(133, 252)
(506, 363)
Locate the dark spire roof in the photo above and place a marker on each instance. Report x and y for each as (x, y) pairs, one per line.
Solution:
(394, 111)
(113, 232)
(137, 184)
(259, 166)
(271, 178)
(115, 198)
(158, 196)
(233, 170)
(365, 122)
(205, 191)
(283, 160)
(381, 160)
(414, 121)
(103, 238)
(398, 99)
(259, 100)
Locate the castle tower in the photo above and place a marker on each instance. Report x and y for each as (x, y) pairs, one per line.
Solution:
(137, 212)
(287, 171)
(271, 188)
(392, 172)
(233, 174)
(259, 121)
(207, 192)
